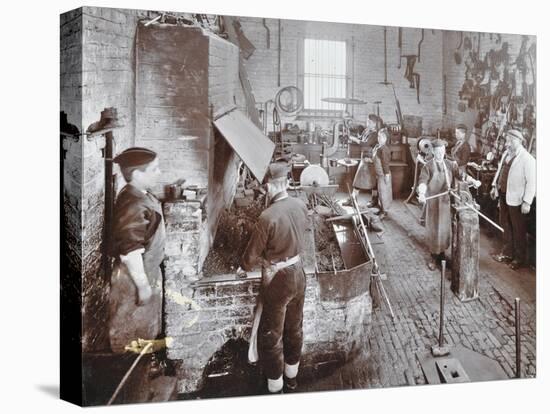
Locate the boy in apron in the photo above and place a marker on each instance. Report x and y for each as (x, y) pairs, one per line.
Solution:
(381, 158)
(438, 176)
(135, 304)
(365, 176)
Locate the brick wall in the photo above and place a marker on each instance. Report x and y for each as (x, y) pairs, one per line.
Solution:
(367, 70)
(71, 206)
(107, 81)
(180, 85)
(456, 73)
(202, 316)
(334, 331)
(98, 71)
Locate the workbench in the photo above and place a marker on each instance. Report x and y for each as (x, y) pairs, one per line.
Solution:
(343, 176)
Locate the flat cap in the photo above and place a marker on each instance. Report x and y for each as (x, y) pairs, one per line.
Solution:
(514, 133)
(276, 170)
(134, 157)
(439, 143)
(462, 127)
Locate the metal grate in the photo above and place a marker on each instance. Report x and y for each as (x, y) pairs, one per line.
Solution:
(324, 75)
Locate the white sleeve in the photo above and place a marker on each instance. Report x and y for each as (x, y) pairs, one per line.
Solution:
(530, 171)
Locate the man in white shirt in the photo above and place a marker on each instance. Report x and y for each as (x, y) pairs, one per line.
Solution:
(515, 186)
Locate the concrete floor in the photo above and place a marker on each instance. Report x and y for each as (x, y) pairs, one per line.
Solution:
(485, 325)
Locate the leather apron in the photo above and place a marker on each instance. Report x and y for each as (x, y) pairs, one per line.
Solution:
(128, 321)
(438, 210)
(385, 196)
(364, 176)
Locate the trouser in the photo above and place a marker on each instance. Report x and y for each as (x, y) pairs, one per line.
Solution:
(280, 332)
(514, 224)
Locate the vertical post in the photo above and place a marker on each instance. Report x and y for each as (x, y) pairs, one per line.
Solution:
(385, 56)
(109, 196)
(279, 53)
(442, 303)
(518, 342)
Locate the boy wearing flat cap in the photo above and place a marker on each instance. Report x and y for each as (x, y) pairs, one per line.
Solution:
(138, 249)
(461, 150)
(276, 243)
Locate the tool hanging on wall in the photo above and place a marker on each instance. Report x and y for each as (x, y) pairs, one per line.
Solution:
(399, 45)
(245, 45)
(267, 35)
(412, 76)
(458, 56)
(398, 113)
(444, 94)
(420, 43)
(228, 23)
(377, 103)
(289, 101)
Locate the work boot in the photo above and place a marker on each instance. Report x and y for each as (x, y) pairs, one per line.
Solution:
(502, 258)
(372, 203)
(347, 203)
(432, 264)
(291, 384)
(515, 265)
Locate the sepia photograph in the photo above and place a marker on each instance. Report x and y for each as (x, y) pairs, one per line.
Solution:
(256, 205)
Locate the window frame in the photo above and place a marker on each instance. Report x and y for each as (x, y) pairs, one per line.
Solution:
(325, 113)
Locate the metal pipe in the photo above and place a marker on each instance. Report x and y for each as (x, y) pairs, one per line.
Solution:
(268, 35)
(385, 56)
(518, 342)
(442, 303)
(420, 43)
(399, 45)
(437, 195)
(279, 55)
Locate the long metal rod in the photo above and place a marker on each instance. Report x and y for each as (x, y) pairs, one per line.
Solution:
(442, 304)
(360, 217)
(380, 286)
(127, 375)
(471, 207)
(414, 183)
(375, 269)
(437, 195)
(518, 340)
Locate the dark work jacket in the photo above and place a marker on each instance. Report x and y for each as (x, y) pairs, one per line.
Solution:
(279, 233)
(138, 224)
(461, 153)
(384, 155)
(135, 220)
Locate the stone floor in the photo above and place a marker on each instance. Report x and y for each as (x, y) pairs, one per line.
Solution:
(485, 325)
